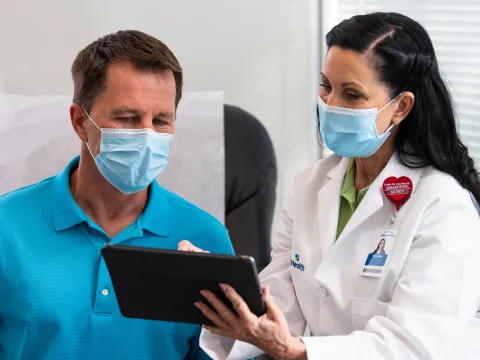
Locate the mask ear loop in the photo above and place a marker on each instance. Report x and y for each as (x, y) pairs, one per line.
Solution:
(94, 121)
(86, 142)
(389, 103)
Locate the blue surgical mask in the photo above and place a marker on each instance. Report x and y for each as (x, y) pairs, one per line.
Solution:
(130, 159)
(351, 132)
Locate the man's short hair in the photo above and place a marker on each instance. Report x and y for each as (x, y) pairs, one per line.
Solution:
(144, 51)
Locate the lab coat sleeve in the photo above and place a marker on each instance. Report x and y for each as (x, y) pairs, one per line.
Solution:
(432, 311)
(195, 352)
(277, 276)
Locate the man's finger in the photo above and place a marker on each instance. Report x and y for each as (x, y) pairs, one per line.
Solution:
(186, 245)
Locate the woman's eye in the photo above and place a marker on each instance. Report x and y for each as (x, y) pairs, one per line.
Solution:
(354, 96)
(326, 87)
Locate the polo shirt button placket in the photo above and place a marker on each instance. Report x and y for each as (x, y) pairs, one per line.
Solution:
(104, 301)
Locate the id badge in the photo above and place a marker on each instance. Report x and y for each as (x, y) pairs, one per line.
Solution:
(377, 259)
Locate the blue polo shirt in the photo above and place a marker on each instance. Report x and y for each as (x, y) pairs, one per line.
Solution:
(56, 296)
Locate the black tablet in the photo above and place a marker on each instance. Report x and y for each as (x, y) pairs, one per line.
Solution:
(159, 284)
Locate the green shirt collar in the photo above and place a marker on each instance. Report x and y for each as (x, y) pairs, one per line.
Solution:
(349, 199)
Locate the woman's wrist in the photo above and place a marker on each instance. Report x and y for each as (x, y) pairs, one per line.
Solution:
(296, 350)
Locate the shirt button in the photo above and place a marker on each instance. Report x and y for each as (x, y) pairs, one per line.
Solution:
(105, 292)
(324, 292)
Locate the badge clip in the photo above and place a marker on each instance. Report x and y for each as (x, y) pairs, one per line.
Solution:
(398, 191)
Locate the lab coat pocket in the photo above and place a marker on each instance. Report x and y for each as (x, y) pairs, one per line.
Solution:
(363, 309)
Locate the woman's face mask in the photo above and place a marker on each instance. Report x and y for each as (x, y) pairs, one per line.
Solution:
(351, 132)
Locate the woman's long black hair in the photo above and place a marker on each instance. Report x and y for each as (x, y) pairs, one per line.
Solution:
(378, 246)
(402, 54)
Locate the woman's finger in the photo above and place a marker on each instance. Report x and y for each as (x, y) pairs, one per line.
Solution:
(218, 331)
(212, 315)
(273, 312)
(225, 313)
(238, 303)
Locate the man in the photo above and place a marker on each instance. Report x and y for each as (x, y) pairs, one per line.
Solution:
(56, 296)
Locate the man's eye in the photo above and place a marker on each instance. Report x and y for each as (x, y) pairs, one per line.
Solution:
(159, 122)
(126, 118)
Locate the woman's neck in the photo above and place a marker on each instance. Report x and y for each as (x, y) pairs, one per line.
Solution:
(367, 169)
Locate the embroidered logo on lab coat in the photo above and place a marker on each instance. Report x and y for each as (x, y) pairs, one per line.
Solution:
(296, 263)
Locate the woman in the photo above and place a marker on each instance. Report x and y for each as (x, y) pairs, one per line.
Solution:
(423, 304)
(377, 257)
(380, 250)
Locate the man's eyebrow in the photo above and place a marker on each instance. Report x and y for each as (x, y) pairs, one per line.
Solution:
(127, 109)
(124, 109)
(165, 114)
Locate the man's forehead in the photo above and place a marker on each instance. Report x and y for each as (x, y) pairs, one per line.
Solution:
(124, 79)
(129, 90)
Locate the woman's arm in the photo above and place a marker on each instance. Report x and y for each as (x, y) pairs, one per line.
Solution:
(277, 276)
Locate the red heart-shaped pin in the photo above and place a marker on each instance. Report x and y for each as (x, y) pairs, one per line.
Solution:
(398, 191)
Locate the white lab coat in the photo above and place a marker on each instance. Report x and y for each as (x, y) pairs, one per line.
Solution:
(426, 304)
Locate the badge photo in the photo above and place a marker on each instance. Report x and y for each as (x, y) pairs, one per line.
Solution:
(377, 258)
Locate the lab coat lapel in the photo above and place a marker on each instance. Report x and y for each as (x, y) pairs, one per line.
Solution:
(375, 199)
(328, 207)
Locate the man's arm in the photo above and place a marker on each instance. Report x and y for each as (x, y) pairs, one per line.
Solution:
(2, 272)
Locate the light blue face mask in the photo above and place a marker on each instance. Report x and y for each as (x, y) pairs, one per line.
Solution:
(351, 132)
(130, 159)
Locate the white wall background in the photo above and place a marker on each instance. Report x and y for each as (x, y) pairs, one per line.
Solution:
(262, 54)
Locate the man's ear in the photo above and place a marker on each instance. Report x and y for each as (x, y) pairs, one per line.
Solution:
(77, 117)
(405, 105)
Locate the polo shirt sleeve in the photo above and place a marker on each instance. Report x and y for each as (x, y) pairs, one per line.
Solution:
(228, 247)
(2, 272)
(218, 241)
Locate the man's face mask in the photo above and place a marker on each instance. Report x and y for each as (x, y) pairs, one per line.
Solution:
(130, 159)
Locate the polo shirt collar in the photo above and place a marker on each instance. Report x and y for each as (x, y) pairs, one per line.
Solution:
(66, 212)
(155, 217)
